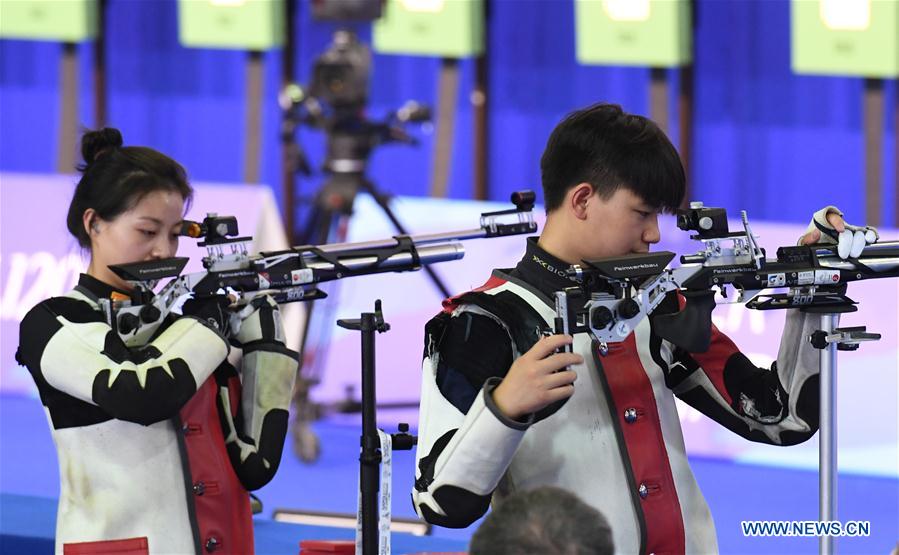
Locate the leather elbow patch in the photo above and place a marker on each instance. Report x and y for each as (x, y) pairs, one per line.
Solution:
(756, 392)
(257, 466)
(464, 506)
(427, 463)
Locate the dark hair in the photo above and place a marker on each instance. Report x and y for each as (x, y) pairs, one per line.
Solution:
(547, 520)
(608, 148)
(115, 178)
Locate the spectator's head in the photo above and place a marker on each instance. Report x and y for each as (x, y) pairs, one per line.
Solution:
(545, 521)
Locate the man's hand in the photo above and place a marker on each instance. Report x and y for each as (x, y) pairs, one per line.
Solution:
(834, 220)
(536, 378)
(828, 226)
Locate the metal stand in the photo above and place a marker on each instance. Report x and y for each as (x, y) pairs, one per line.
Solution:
(370, 455)
(829, 339)
(827, 452)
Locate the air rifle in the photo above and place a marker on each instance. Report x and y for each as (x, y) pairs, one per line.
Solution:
(614, 295)
(288, 275)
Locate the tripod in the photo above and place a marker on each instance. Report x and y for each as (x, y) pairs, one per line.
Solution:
(328, 223)
(340, 84)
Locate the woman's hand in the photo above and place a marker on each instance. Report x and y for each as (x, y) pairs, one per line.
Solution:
(212, 310)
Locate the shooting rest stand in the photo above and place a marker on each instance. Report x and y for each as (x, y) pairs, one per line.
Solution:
(830, 339)
(370, 455)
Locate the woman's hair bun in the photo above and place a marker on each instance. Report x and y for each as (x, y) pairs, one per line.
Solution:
(95, 144)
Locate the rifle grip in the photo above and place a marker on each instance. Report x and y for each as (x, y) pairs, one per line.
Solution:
(559, 329)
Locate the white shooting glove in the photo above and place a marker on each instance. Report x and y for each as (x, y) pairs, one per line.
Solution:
(850, 242)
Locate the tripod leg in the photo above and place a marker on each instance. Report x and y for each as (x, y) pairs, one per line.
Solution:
(330, 227)
(306, 445)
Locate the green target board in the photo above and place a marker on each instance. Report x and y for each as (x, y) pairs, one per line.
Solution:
(845, 37)
(446, 28)
(231, 24)
(655, 33)
(52, 20)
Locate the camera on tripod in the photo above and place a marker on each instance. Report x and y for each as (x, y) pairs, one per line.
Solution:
(335, 101)
(340, 75)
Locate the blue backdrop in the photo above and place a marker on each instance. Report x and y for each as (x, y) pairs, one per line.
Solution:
(765, 140)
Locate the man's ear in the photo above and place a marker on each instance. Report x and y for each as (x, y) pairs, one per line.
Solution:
(579, 197)
(91, 222)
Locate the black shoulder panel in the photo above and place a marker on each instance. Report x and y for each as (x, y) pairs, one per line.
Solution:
(470, 349)
(40, 324)
(474, 348)
(73, 310)
(35, 331)
(524, 322)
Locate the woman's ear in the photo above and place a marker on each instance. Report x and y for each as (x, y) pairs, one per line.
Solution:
(578, 199)
(91, 222)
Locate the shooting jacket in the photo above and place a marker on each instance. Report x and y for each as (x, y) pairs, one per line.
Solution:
(617, 442)
(157, 444)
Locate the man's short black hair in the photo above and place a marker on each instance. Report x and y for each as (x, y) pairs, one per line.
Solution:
(546, 520)
(608, 148)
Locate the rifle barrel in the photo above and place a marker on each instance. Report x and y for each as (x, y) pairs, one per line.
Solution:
(418, 240)
(877, 250)
(427, 254)
(880, 257)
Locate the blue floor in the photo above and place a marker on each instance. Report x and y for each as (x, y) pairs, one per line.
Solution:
(735, 492)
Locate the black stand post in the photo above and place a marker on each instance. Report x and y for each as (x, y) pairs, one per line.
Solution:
(370, 456)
